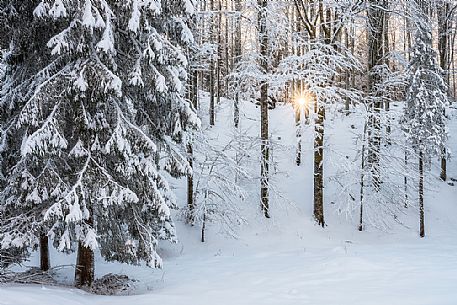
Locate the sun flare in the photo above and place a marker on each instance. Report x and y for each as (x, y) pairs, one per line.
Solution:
(304, 99)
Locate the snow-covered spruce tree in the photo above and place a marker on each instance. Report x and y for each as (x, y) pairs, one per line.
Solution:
(426, 101)
(26, 64)
(96, 128)
(4, 28)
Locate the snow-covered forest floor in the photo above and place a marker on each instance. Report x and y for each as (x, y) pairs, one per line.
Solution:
(288, 259)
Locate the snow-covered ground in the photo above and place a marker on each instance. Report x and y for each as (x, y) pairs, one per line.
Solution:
(288, 259)
(415, 272)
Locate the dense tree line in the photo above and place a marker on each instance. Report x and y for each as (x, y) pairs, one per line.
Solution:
(99, 103)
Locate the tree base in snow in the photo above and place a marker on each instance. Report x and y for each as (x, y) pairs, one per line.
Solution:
(113, 284)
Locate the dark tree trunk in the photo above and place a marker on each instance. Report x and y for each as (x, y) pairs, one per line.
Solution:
(203, 236)
(236, 114)
(298, 156)
(298, 118)
(385, 32)
(406, 178)
(443, 10)
(219, 62)
(299, 138)
(44, 253)
(443, 174)
(421, 194)
(387, 63)
(227, 44)
(236, 111)
(325, 16)
(190, 154)
(194, 99)
(190, 186)
(362, 178)
(319, 166)
(375, 57)
(347, 74)
(361, 205)
(212, 113)
(264, 132)
(85, 266)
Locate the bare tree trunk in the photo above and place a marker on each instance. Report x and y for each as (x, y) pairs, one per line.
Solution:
(375, 57)
(298, 156)
(325, 26)
(298, 125)
(194, 99)
(421, 194)
(264, 132)
(443, 174)
(408, 37)
(44, 253)
(454, 85)
(353, 34)
(362, 178)
(385, 32)
(407, 50)
(212, 112)
(319, 166)
(406, 178)
(452, 64)
(387, 63)
(227, 46)
(85, 265)
(236, 114)
(347, 73)
(190, 152)
(443, 9)
(203, 238)
(219, 62)
(190, 186)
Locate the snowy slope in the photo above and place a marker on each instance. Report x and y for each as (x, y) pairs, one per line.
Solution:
(289, 260)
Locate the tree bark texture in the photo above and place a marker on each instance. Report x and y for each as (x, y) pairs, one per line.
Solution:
(264, 132)
(44, 253)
